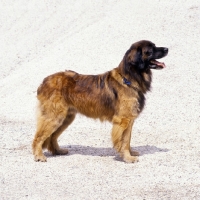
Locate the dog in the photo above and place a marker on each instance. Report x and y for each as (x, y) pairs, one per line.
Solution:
(117, 96)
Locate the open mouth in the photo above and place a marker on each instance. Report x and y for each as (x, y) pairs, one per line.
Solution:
(154, 64)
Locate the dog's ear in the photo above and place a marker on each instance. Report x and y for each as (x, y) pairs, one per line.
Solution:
(133, 59)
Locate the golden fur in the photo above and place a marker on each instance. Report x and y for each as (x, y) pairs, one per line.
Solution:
(116, 96)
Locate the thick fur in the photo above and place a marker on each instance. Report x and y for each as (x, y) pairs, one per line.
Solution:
(116, 96)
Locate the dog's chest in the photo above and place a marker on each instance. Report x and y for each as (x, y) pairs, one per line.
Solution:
(141, 101)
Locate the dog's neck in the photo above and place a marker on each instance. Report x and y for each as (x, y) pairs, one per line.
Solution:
(137, 80)
(127, 82)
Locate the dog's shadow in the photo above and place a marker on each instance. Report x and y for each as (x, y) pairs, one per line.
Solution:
(103, 152)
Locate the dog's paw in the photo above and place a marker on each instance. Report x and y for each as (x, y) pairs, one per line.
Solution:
(40, 158)
(131, 159)
(61, 151)
(135, 153)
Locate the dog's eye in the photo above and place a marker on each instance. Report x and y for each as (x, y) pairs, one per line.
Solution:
(148, 53)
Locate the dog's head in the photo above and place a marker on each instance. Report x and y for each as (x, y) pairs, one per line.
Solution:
(142, 56)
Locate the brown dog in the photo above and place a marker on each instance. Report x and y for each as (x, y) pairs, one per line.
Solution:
(116, 96)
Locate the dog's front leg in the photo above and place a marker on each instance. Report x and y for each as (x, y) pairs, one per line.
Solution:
(121, 137)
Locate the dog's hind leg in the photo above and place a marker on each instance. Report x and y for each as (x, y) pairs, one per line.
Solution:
(51, 117)
(121, 136)
(53, 143)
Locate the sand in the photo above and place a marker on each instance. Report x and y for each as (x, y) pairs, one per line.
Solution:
(39, 38)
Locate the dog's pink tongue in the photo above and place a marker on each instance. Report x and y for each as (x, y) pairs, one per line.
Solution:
(158, 63)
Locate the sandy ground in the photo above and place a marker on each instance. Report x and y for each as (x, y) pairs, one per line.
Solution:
(42, 37)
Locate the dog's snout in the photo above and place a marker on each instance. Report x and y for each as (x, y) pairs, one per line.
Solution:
(165, 50)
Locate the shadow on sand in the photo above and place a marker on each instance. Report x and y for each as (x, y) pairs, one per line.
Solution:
(103, 152)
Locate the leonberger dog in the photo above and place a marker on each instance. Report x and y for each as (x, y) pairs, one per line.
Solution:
(117, 96)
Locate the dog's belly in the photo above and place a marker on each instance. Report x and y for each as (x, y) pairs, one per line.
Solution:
(93, 105)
